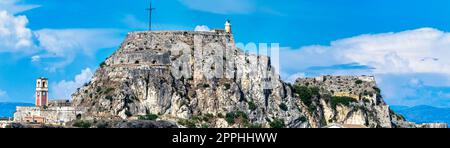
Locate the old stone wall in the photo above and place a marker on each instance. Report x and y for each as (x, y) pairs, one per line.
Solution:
(52, 115)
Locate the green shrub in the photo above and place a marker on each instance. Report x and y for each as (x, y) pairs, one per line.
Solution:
(205, 85)
(283, 107)
(128, 113)
(307, 95)
(227, 86)
(197, 118)
(230, 118)
(398, 116)
(315, 91)
(108, 90)
(108, 97)
(205, 125)
(252, 106)
(378, 90)
(103, 64)
(238, 117)
(302, 119)
(254, 126)
(277, 123)
(220, 115)
(357, 82)
(346, 101)
(312, 108)
(151, 117)
(98, 89)
(82, 124)
(304, 94)
(187, 123)
(208, 117)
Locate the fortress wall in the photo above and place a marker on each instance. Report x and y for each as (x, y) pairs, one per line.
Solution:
(52, 115)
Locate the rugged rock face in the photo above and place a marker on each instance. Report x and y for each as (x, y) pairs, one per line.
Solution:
(352, 100)
(180, 75)
(200, 79)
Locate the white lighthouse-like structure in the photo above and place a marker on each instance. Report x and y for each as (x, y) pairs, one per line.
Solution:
(228, 27)
(41, 92)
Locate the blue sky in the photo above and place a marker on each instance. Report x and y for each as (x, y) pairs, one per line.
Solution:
(404, 43)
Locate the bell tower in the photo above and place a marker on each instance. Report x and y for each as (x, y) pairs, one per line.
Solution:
(41, 92)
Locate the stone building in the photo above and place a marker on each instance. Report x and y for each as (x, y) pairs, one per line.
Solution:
(56, 112)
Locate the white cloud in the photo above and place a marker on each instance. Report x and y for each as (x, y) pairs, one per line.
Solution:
(58, 47)
(14, 6)
(292, 78)
(202, 28)
(409, 65)
(14, 35)
(35, 58)
(222, 6)
(63, 41)
(65, 44)
(65, 88)
(423, 50)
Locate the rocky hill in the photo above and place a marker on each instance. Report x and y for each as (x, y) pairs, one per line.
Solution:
(353, 100)
(200, 79)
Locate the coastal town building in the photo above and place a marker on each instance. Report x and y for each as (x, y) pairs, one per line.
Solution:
(4, 122)
(57, 112)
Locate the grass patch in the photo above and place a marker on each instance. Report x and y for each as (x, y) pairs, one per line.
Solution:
(151, 117)
(187, 123)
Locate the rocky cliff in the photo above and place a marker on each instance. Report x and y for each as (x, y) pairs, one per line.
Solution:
(200, 79)
(351, 100)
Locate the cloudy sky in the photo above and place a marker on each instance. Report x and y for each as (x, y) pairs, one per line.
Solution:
(404, 43)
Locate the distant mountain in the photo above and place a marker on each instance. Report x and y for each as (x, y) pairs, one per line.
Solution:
(7, 109)
(423, 114)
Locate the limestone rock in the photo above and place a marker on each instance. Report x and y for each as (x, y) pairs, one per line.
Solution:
(179, 75)
(200, 79)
